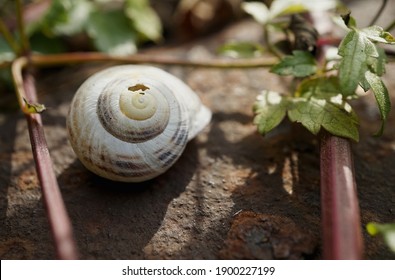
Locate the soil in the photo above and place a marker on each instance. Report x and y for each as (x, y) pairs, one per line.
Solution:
(233, 194)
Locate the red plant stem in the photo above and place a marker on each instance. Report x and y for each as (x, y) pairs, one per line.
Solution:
(58, 219)
(340, 216)
(341, 225)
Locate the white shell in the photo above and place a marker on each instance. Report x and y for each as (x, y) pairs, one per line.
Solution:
(130, 123)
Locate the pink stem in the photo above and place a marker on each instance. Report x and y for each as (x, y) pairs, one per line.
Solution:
(58, 219)
(341, 225)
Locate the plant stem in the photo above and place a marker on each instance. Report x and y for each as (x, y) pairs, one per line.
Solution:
(340, 216)
(56, 212)
(270, 46)
(8, 37)
(390, 26)
(342, 236)
(379, 12)
(83, 57)
(17, 66)
(21, 27)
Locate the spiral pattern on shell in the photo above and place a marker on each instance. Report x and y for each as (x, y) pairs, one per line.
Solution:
(131, 123)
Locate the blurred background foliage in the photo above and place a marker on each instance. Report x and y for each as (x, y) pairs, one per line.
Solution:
(117, 27)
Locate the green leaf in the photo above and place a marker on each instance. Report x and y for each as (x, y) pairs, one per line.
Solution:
(111, 32)
(300, 64)
(377, 34)
(377, 64)
(322, 88)
(382, 97)
(337, 118)
(6, 54)
(270, 109)
(355, 49)
(144, 19)
(241, 50)
(364, 84)
(386, 230)
(64, 17)
(43, 44)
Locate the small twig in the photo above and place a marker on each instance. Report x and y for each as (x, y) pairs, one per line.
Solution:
(8, 37)
(48, 60)
(83, 57)
(58, 219)
(342, 236)
(17, 66)
(379, 12)
(21, 27)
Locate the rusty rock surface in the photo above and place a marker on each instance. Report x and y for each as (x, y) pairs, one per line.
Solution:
(262, 236)
(232, 194)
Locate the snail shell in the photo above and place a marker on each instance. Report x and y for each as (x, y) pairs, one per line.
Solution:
(131, 123)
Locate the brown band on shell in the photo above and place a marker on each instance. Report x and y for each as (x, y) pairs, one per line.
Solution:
(132, 133)
(167, 156)
(126, 169)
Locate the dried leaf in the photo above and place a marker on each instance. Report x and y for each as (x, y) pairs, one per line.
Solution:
(34, 107)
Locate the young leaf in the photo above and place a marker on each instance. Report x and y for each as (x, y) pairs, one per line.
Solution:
(377, 34)
(336, 118)
(386, 230)
(111, 32)
(377, 64)
(270, 109)
(355, 49)
(382, 97)
(34, 107)
(299, 64)
(364, 84)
